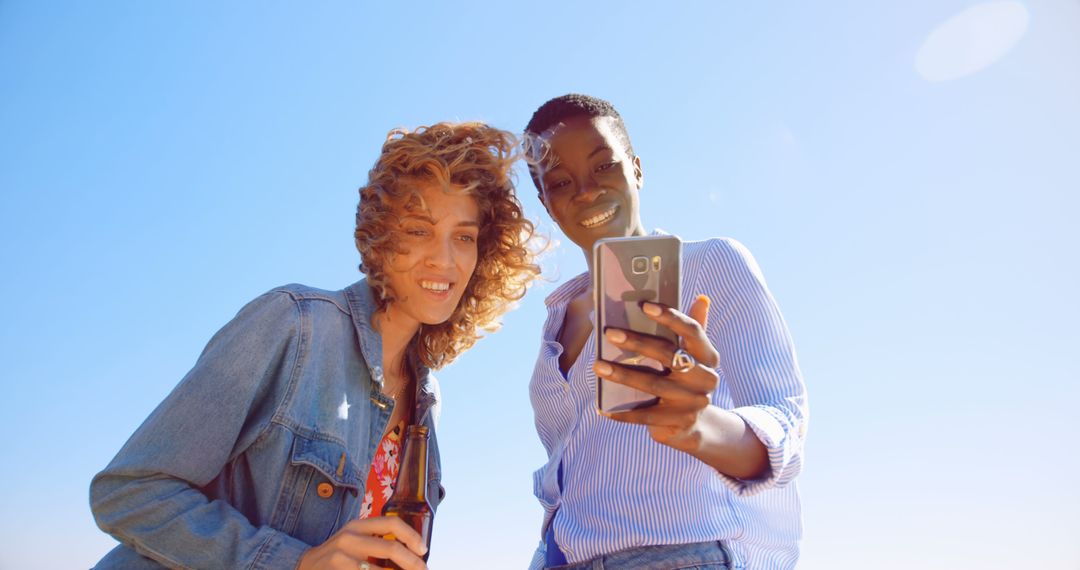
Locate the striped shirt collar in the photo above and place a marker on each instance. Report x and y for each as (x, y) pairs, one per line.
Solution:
(567, 291)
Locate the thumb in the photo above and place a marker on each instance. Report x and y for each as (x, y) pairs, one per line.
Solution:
(699, 311)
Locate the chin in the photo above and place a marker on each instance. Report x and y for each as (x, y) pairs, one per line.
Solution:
(435, 321)
(437, 318)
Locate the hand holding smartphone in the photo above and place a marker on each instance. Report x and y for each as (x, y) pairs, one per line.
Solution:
(626, 272)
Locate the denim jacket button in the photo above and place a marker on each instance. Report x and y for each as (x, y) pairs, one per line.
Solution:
(325, 490)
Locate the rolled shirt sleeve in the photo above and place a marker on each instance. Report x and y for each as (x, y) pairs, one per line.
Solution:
(758, 364)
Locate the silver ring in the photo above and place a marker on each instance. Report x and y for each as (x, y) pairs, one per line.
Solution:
(681, 361)
(365, 566)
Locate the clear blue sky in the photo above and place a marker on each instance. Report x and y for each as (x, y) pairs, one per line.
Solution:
(905, 172)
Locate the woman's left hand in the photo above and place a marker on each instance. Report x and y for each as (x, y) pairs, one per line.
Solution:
(684, 395)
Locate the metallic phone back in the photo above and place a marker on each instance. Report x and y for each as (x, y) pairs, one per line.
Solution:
(619, 286)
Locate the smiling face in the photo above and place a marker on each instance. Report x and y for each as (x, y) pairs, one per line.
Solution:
(439, 253)
(588, 182)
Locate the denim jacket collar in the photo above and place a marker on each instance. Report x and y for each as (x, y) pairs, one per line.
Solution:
(362, 308)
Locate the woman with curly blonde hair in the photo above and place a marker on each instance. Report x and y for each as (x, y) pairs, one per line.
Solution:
(279, 448)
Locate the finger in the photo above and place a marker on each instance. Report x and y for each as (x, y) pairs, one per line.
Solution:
(363, 546)
(393, 528)
(403, 557)
(363, 564)
(699, 311)
(687, 387)
(339, 559)
(656, 348)
(689, 330)
(659, 416)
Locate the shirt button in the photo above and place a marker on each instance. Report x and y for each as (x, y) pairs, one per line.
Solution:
(325, 490)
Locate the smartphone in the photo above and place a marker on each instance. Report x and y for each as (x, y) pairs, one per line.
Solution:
(627, 271)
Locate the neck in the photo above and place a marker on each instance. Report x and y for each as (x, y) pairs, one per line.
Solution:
(638, 231)
(396, 332)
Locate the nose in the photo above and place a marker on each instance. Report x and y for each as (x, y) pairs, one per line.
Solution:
(441, 254)
(589, 190)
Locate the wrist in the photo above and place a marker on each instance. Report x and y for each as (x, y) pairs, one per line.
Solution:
(702, 439)
(692, 441)
(301, 563)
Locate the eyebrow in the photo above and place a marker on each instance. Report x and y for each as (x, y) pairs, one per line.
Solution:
(430, 220)
(420, 217)
(595, 152)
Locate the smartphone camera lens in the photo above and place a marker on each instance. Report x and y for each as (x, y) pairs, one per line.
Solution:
(639, 265)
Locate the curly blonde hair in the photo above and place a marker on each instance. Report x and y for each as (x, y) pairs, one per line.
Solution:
(478, 158)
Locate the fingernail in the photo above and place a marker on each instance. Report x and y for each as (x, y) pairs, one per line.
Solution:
(651, 309)
(705, 299)
(602, 368)
(615, 335)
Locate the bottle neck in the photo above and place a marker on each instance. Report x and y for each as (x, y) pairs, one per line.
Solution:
(412, 476)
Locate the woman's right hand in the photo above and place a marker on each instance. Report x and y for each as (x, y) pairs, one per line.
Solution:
(363, 538)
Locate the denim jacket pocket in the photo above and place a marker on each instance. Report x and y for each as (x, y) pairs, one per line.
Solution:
(320, 491)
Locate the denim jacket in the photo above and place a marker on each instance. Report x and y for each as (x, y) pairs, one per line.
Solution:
(227, 471)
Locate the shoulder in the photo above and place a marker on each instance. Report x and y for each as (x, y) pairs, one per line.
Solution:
(303, 294)
(284, 311)
(724, 269)
(718, 254)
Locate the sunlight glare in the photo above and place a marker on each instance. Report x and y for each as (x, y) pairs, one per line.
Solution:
(343, 409)
(972, 40)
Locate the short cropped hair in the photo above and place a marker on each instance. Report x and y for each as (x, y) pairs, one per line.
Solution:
(480, 159)
(566, 107)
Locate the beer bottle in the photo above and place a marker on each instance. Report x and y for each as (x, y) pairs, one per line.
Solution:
(409, 500)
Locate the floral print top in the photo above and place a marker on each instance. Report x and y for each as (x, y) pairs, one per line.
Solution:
(383, 474)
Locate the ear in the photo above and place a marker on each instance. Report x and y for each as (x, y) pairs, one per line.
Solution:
(638, 174)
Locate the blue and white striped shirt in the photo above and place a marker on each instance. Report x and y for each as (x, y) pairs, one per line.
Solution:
(621, 489)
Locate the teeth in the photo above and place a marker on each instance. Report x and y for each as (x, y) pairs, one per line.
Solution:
(598, 219)
(435, 285)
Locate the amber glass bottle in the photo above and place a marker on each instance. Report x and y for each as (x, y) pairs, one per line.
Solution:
(409, 500)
